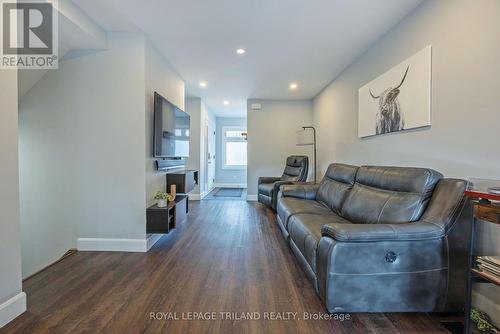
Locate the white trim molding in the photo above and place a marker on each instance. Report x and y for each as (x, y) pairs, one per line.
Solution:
(112, 245)
(12, 308)
(252, 198)
(194, 197)
(153, 239)
(199, 197)
(117, 245)
(230, 185)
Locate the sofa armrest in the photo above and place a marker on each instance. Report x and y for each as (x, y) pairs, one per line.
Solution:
(302, 191)
(276, 191)
(278, 184)
(420, 230)
(268, 179)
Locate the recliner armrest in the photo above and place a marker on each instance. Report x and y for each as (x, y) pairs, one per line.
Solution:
(302, 191)
(276, 190)
(268, 179)
(278, 184)
(420, 230)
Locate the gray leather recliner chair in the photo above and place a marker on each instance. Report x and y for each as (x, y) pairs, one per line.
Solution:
(296, 170)
(381, 239)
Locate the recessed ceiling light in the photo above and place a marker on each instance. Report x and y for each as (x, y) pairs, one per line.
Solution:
(226, 103)
(203, 84)
(241, 51)
(293, 86)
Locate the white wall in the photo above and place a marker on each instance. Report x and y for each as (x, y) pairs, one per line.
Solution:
(160, 77)
(200, 114)
(272, 137)
(462, 141)
(206, 116)
(227, 176)
(84, 139)
(12, 299)
(193, 108)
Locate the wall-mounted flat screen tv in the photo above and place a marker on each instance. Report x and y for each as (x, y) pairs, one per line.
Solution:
(171, 129)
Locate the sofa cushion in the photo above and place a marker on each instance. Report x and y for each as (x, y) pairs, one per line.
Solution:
(335, 186)
(289, 206)
(266, 188)
(305, 232)
(389, 195)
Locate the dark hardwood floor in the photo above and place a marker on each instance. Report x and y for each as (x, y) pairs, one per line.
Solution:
(228, 257)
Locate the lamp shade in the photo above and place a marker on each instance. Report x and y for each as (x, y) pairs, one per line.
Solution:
(305, 137)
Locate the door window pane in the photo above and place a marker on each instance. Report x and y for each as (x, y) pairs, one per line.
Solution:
(236, 153)
(234, 134)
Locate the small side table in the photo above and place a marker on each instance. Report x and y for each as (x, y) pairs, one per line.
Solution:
(487, 211)
(162, 220)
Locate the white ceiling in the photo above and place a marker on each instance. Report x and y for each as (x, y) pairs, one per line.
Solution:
(308, 42)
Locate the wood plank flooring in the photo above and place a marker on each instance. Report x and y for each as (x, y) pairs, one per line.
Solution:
(228, 256)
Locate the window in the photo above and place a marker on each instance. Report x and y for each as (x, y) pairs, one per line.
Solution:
(234, 147)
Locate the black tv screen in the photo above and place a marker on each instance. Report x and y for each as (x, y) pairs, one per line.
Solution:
(171, 130)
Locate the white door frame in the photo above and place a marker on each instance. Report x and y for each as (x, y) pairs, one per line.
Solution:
(210, 150)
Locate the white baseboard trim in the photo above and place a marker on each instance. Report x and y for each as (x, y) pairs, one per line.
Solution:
(209, 190)
(12, 308)
(252, 198)
(198, 197)
(194, 197)
(230, 185)
(152, 239)
(112, 245)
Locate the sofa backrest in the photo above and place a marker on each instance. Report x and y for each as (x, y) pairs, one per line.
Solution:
(446, 203)
(296, 168)
(338, 181)
(389, 195)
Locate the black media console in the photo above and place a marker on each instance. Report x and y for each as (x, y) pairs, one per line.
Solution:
(162, 220)
(184, 180)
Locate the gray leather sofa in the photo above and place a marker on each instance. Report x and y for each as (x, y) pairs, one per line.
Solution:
(380, 239)
(296, 170)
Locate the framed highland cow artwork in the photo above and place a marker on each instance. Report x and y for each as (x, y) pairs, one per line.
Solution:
(399, 99)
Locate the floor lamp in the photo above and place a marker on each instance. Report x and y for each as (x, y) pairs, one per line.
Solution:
(304, 140)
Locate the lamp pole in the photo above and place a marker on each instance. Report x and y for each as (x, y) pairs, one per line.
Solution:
(314, 144)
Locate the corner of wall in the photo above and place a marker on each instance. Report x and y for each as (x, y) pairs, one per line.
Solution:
(277, 122)
(12, 299)
(162, 78)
